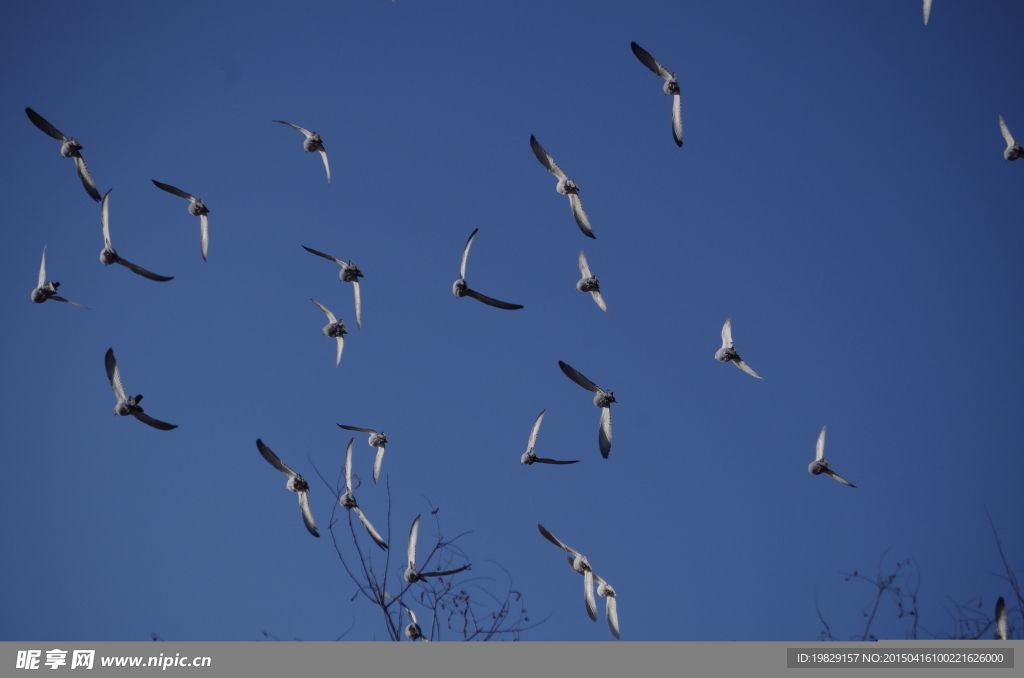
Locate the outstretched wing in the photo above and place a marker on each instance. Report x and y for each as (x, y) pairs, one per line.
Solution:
(492, 302)
(274, 460)
(414, 534)
(677, 119)
(155, 423)
(465, 254)
(307, 513)
(584, 267)
(545, 159)
(323, 154)
(1006, 132)
(301, 129)
(176, 191)
(359, 305)
(554, 540)
(105, 219)
(573, 374)
(114, 375)
(348, 465)
(604, 436)
(588, 593)
(143, 272)
(927, 10)
(1001, 626)
(378, 462)
(40, 122)
(746, 368)
(554, 461)
(42, 270)
(325, 256)
(612, 613)
(534, 431)
(204, 234)
(819, 450)
(356, 428)
(599, 300)
(86, 177)
(647, 60)
(374, 534)
(727, 334)
(580, 216)
(835, 476)
(330, 316)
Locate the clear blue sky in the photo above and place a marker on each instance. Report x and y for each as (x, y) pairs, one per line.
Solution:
(841, 195)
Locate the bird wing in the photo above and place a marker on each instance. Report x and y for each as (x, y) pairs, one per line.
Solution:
(327, 166)
(114, 375)
(835, 476)
(492, 302)
(67, 301)
(307, 513)
(301, 129)
(584, 267)
(819, 450)
(274, 460)
(359, 305)
(580, 216)
(612, 613)
(105, 219)
(465, 253)
(325, 256)
(647, 60)
(414, 533)
(588, 593)
(356, 428)
(42, 270)
(746, 368)
(341, 347)
(677, 119)
(1006, 132)
(599, 300)
(604, 436)
(1001, 626)
(330, 316)
(927, 10)
(545, 159)
(534, 431)
(727, 334)
(155, 423)
(554, 540)
(374, 534)
(573, 374)
(86, 177)
(542, 460)
(204, 234)
(378, 462)
(348, 465)
(40, 122)
(176, 191)
(143, 272)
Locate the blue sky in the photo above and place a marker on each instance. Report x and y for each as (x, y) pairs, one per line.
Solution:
(841, 195)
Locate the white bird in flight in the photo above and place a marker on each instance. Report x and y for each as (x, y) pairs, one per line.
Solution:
(349, 273)
(728, 353)
(565, 186)
(348, 500)
(69, 149)
(602, 399)
(819, 465)
(413, 630)
(48, 290)
(378, 440)
(579, 563)
(1013, 149)
(530, 457)
(312, 143)
(129, 406)
(589, 283)
(108, 255)
(334, 328)
(412, 575)
(671, 86)
(461, 289)
(196, 208)
(296, 483)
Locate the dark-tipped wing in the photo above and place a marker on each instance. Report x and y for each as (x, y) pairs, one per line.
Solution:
(143, 272)
(554, 540)
(835, 476)
(356, 428)
(86, 177)
(492, 302)
(465, 254)
(307, 513)
(542, 460)
(301, 129)
(647, 60)
(604, 436)
(155, 423)
(40, 122)
(176, 191)
(325, 256)
(573, 374)
(114, 375)
(545, 159)
(274, 460)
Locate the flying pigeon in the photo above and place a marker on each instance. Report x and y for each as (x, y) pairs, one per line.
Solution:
(461, 289)
(348, 500)
(108, 255)
(819, 465)
(196, 208)
(565, 186)
(728, 354)
(312, 143)
(602, 399)
(349, 273)
(530, 457)
(412, 575)
(69, 149)
(581, 565)
(48, 290)
(126, 405)
(378, 440)
(296, 483)
(671, 86)
(589, 283)
(335, 328)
